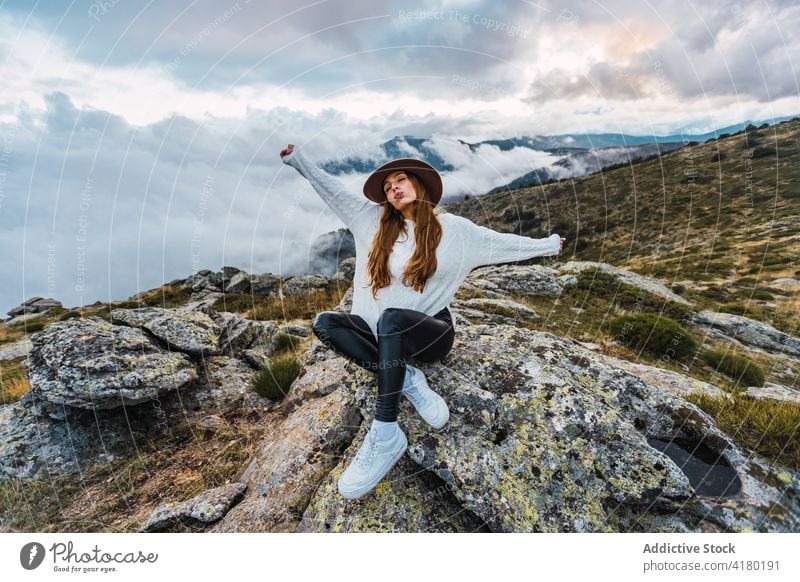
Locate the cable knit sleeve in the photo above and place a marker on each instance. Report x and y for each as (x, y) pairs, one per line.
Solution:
(357, 212)
(488, 247)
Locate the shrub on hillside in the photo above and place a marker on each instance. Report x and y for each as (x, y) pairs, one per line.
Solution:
(736, 366)
(273, 381)
(658, 335)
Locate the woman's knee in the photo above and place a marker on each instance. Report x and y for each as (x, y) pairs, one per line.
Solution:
(322, 323)
(389, 319)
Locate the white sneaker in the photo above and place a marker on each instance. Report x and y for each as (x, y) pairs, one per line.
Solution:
(372, 461)
(430, 406)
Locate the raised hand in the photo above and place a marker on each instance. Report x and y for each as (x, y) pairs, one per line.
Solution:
(287, 150)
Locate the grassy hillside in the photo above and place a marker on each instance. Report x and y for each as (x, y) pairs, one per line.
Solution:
(718, 220)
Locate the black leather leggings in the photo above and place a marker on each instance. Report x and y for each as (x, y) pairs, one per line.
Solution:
(401, 333)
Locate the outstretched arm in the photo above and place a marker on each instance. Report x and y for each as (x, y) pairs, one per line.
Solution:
(353, 210)
(489, 247)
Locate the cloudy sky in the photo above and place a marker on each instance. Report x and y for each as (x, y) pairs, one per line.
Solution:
(140, 140)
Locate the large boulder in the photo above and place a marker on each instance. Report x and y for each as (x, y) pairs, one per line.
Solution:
(544, 436)
(99, 391)
(92, 364)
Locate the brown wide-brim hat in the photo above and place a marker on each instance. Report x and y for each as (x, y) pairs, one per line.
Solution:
(373, 187)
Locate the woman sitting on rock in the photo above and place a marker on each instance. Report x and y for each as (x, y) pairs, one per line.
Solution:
(402, 290)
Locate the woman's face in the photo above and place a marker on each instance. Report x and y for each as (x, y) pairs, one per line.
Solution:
(399, 190)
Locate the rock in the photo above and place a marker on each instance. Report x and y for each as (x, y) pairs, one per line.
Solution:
(544, 436)
(265, 285)
(136, 317)
(224, 385)
(775, 392)
(298, 330)
(648, 284)
(26, 317)
(302, 284)
(90, 363)
(496, 310)
(39, 439)
(666, 380)
(15, 350)
(237, 334)
(190, 331)
(347, 268)
(239, 283)
(567, 280)
(497, 281)
(227, 274)
(749, 332)
(207, 507)
(409, 500)
(201, 280)
(292, 461)
(34, 305)
(787, 281)
(328, 249)
(208, 295)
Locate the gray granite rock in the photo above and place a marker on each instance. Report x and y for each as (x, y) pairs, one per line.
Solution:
(90, 363)
(208, 507)
(749, 332)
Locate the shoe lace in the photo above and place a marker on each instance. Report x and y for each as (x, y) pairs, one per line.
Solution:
(415, 396)
(366, 453)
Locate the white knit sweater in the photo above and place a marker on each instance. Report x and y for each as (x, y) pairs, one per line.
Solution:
(463, 247)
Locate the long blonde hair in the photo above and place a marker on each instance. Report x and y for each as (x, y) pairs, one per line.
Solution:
(427, 235)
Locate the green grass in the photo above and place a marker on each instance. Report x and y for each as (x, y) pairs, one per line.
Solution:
(660, 336)
(768, 427)
(273, 308)
(13, 380)
(274, 380)
(615, 215)
(166, 296)
(624, 296)
(742, 369)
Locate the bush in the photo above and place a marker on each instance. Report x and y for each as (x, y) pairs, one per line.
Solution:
(287, 341)
(70, 315)
(29, 326)
(715, 292)
(736, 366)
(763, 152)
(655, 334)
(734, 308)
(55, 311)
(274, 380)
(762, 294)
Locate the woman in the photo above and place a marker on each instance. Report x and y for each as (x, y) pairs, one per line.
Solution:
(402, 290)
